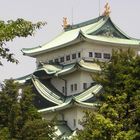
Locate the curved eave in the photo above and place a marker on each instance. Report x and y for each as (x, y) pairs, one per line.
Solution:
(46, 93)
(62, 106)
(65, 40)
(112, 41)
(23, 79)
(79, 65)
(89, 93)
(89, 70)
(97, 26)
(86, 105)
(89, 66)
(124, 34)
(53, 70)
(66, 71)
(69, 103)
(77, 100)
(45, 70)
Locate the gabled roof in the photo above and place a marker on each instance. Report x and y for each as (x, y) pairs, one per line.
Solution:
(23, 79)
(62, 102)
(46, 92)
(100, 29)
(62, 130)
(59, 70)
(51, 99)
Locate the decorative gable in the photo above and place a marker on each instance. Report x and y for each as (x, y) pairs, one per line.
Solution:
(109, 30)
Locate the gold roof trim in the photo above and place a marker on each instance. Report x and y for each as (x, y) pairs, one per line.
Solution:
(107, 10)
(65, 23)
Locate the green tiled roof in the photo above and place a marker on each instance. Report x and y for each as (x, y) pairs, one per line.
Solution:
(66, 69)
(23, 79)
(58, 70)
(62, 106)
(113, 40)
(49, 69)
(66, 102)
(83, 24)
(62, 130)
(88, 93)
(89, 66)
(61, 102)
(101, 29)
(46, 93)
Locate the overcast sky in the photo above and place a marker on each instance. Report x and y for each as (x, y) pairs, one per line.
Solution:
(124, 13)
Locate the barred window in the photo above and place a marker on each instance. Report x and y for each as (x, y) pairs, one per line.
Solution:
(50, 61)
(84, 85)
(107, 56)
(63, 89)
(71, 87)
(68, 57)
(62, 59)
(56, 60)
(75, 87)
(79, 55)
(90, 54)
(74, 56)
(98, 55)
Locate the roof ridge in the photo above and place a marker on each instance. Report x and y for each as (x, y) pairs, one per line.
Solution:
(85, 23)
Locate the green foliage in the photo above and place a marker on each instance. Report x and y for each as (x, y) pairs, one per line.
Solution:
(10, 30)
(38, 130)
(118, 116)
(19, 119)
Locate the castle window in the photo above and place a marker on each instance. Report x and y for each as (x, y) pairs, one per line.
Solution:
(68, 57)
(63, 89)
(107, 56)
(74, 122)
(61, 59)
(79, 55)
(84, 85)
(63, 117)
(56, 60)
(75, 87)
(98, 55)
(50, 61)
(74, 56)
(71, 88)
(90, 54)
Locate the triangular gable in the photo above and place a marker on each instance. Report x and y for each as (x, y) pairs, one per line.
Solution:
(109, 29)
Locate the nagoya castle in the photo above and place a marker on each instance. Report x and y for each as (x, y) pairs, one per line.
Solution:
(63, 80)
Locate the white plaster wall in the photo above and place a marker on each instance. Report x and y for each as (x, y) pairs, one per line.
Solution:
(53, 115)
(69, 115)
(77, 77)
(83, 47)
(73, 78)
(58, 83)
(85, 78)
(60, 53)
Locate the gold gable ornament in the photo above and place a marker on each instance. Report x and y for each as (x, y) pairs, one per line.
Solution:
(65, 23)
(107, 10)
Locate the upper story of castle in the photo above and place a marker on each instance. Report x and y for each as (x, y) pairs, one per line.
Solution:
(89, 40)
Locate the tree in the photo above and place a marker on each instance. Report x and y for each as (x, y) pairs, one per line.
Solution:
(118, 116)
(10, 30)
(19, 119)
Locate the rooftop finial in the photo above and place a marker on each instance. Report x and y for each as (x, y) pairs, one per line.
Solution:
(65, 23)
(107, 10)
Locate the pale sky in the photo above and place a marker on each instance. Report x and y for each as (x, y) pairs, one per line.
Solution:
(124, 13)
